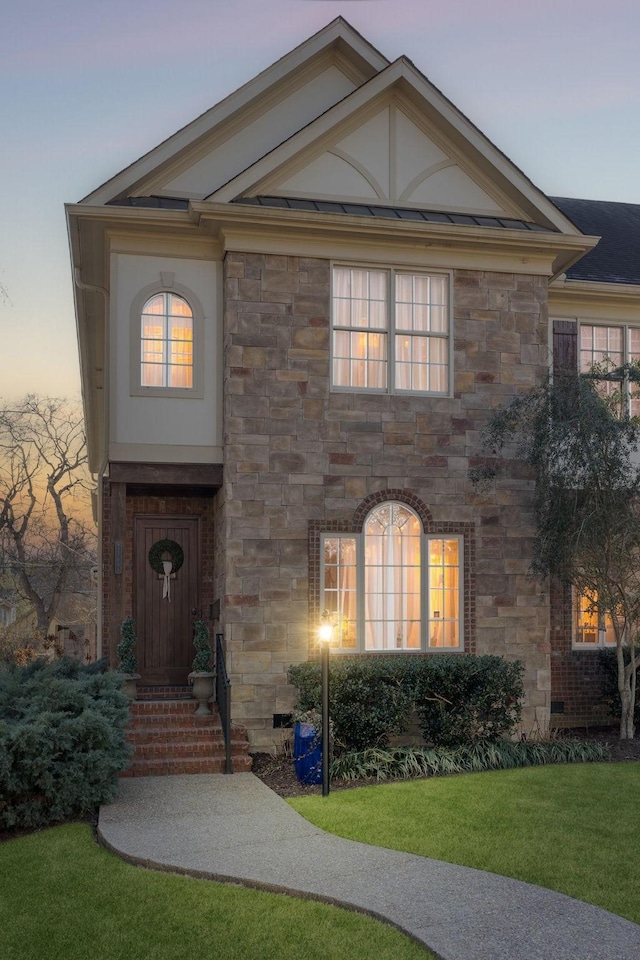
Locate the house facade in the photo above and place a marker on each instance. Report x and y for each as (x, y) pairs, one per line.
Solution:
(295, 317)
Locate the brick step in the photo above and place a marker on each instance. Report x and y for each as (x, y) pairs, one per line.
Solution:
(239, 747)
(171, 751)
(168, 738)
(164, 734)
(184, 765)
(174, 691)
(148, 708)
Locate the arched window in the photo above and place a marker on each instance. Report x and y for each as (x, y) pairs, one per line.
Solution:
(392, 564)
(166, 342)
(392, 586)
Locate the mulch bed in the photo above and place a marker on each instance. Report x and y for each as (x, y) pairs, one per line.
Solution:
(279, 774)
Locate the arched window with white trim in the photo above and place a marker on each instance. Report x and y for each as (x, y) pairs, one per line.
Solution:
(392, 589)
(166, 342)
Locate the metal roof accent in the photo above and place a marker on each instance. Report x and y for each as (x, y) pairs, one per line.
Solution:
(391, 213)
(155, 203)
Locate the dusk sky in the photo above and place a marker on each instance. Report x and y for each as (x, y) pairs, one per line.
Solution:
(87, 86)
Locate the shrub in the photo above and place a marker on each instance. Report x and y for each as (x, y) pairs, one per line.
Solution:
(202, 660)
(467, 699)
(403, 763)
(368, 701)
(126, 648)
(459, 699)
(62, 741)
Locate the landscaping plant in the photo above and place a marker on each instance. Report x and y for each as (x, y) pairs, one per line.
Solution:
(126, 648)
(62, 741)
(458, 699)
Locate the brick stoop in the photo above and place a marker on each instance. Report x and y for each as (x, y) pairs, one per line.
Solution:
(168, 738)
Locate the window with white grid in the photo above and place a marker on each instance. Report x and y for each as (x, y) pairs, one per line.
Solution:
(391, 331)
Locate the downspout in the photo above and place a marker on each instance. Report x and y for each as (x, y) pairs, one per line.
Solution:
(95, 288)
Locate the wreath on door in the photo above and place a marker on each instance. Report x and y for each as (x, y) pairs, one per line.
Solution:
(159, 549)
(166, 569)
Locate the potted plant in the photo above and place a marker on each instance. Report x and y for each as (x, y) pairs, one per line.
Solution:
(128, 661)
(202, 676)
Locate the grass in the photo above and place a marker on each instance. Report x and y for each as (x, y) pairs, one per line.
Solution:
(65, 898)
(570, 828)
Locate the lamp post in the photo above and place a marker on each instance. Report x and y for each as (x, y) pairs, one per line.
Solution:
(325, 633)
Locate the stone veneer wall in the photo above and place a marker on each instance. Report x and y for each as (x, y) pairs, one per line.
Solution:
(297, 456)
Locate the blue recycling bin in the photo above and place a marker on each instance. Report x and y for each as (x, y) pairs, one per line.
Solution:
(307, 753)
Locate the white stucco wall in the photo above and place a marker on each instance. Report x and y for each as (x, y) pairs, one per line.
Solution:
(165, 429)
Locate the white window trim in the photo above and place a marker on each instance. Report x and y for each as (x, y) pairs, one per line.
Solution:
(360, 592)
(602, 633)
(166, 284)
(623, 325)
(392, 270)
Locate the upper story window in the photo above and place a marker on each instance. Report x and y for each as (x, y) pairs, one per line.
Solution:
(391, 331)
(610, 348)
(393, 587)
(166, 342)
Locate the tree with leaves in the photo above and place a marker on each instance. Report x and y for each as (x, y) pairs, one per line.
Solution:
(47, 539)
(583, 447)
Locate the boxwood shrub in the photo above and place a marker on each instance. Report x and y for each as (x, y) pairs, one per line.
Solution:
(62, 741)
(458, 699)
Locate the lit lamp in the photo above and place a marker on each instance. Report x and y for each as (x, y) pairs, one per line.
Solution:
(325, 634)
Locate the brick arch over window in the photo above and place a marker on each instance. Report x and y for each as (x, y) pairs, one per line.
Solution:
(398, 496)
(464, 531)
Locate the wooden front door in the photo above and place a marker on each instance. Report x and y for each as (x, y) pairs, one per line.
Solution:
(164, 624)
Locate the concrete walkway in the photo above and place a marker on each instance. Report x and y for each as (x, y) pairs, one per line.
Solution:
(235, 828)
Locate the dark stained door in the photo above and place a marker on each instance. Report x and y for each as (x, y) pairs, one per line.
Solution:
(164, 624)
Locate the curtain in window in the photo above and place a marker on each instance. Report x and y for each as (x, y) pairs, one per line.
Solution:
(360, 318)
(166, 347)
(392, 579)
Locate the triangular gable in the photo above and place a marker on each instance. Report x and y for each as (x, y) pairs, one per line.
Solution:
(253, 120)
(391, 159)
(396, 139)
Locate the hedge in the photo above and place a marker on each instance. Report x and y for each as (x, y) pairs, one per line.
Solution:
(62, 741)
(458, 699)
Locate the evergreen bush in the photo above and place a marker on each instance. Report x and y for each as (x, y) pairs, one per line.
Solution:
(126, 647)
(458, 699)
(202, 660)
(62, 741)
(468, 699)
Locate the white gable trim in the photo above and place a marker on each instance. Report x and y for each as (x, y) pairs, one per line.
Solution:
(355, 55)
(494, 170)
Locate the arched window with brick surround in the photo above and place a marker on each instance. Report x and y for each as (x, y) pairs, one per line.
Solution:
(394, 586)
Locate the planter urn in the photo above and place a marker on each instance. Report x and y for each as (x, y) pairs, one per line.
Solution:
(202, 684)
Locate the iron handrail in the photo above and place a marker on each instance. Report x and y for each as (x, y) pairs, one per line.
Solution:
(223, 698)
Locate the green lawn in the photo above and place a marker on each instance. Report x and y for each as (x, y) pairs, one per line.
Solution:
(573, 828)
(64, 898)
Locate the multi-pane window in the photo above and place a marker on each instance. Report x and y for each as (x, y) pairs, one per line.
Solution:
(166, 344)
(592, 628)
(390, 331)
(392, 587)
(609, 348)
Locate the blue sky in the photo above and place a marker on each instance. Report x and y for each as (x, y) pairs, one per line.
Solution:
(87, 86)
